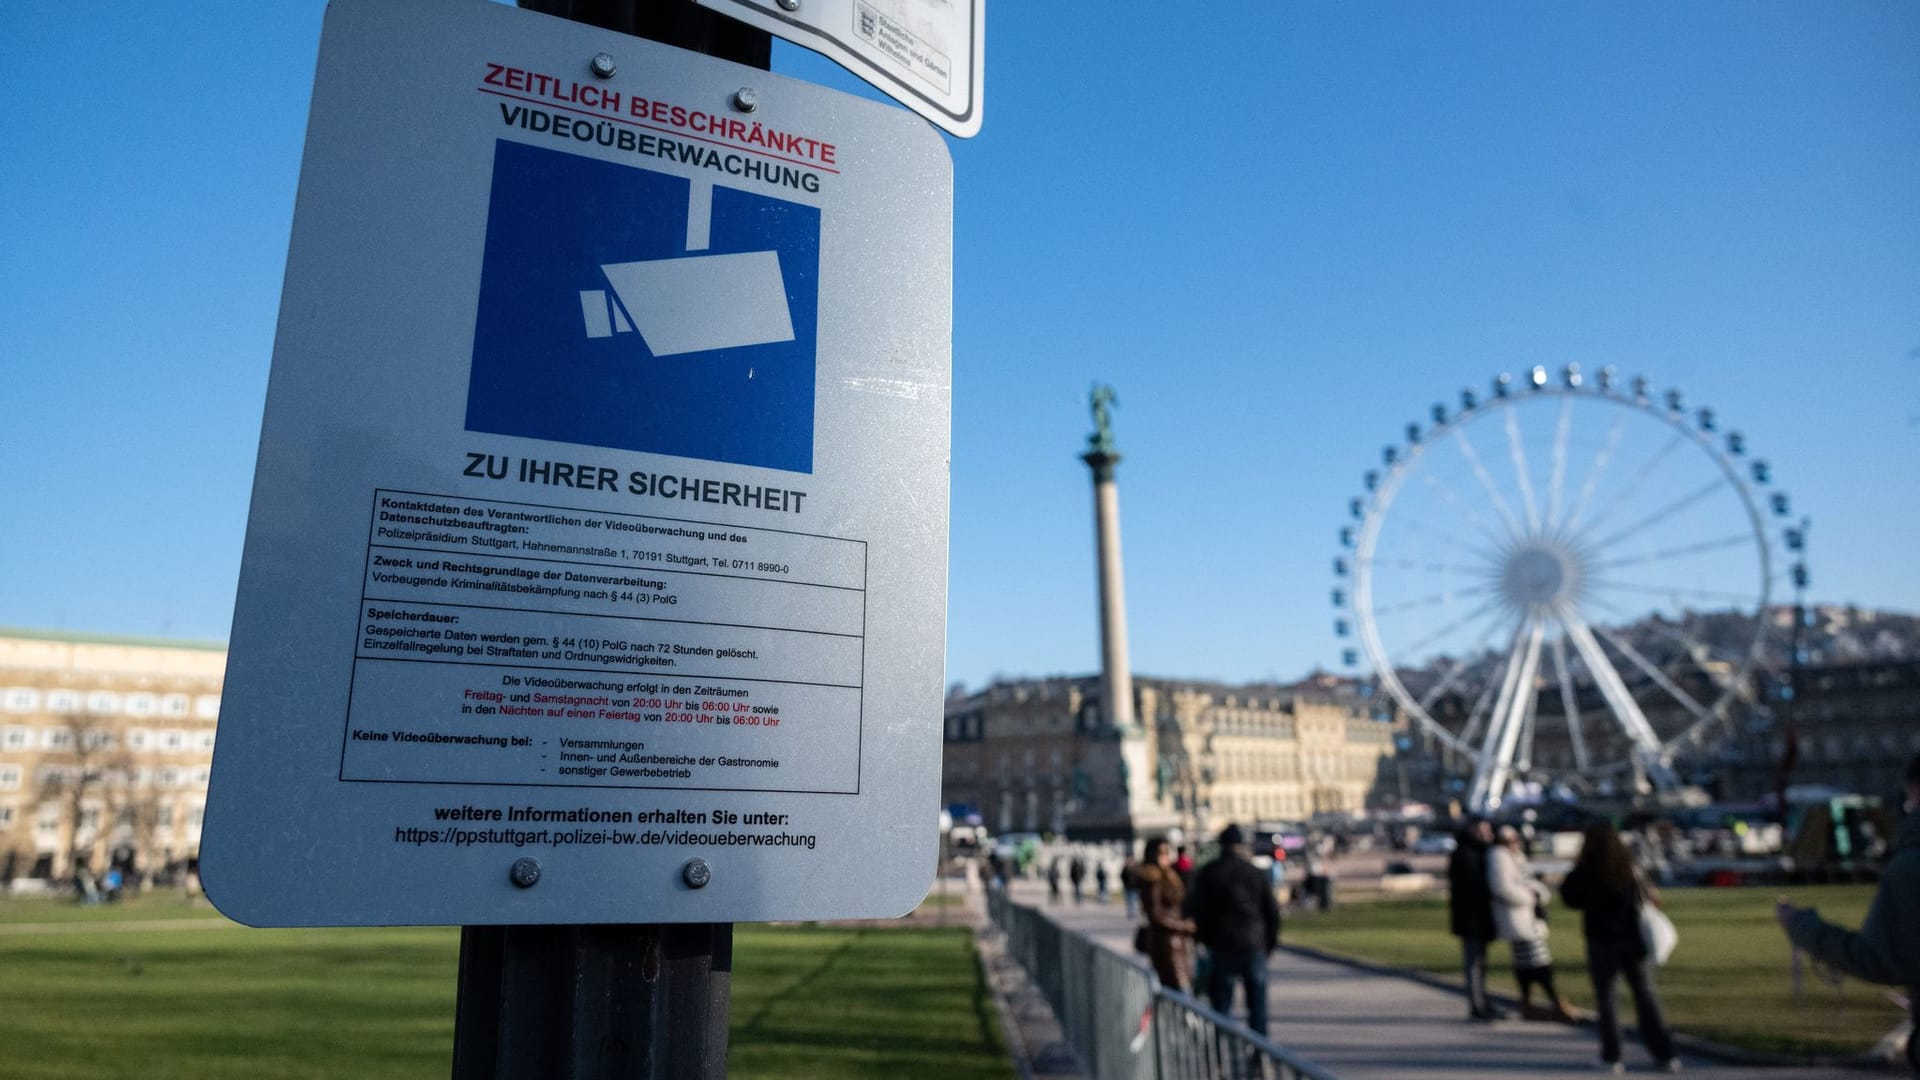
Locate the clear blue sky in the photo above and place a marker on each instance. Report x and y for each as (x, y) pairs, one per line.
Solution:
(1280, 230)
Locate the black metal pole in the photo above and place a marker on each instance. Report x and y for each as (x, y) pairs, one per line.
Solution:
(619, 1002)
(646, 1002)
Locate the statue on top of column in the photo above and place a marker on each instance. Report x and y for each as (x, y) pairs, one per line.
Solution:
(1102, 399)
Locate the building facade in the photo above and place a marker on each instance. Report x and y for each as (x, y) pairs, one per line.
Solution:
(1855, 725)
(1037, 756)
(105, 749)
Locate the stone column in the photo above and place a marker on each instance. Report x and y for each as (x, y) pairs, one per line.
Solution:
(1116, 672)
(1119, 757)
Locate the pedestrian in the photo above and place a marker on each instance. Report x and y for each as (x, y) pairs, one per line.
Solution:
(1101, 879)
(1470, 912)
(1130, 887)
(1520, 919)
(1236, 918)
(1886, 948)
(1077, 873)
(1053, 880)
(1169, 933)
(1324, 888)
(1608, 891)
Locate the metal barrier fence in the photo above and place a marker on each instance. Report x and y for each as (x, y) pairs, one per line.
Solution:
(1122, 1023)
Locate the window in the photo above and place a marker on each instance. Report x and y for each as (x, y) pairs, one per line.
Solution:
(96, 739)
(142, 705)
(63, 701)
(201, 775)
(9, 778)
(15, 738)
(137, 738)
(167, 777)
(203, 740)
(173, 740)
(56, 738)
(6, 817)
(207, 706)
(104, 702)
(173, 705)
(20, 699)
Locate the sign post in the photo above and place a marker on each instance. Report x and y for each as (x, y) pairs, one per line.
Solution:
(594, 587)
(613, 1002)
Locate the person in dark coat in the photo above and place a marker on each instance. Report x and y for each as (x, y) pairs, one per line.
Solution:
(1607, 891)
(1886, 948)
(1169, 931)
(1470, 912)
(1236, 917)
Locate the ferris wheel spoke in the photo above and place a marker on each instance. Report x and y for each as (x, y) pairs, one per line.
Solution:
(1478, 713)
(1612, 688)
(1428, 567)
(1675, 553)
(1653, 672)
(1684, 502)
(1469, 618)
(1569, 702)
(1596, 469)
(1633, 484)
(1670, 592)
(1465, 509)
(1430, 600)
(1460, 668)
(1522, 471)
(1495, 499)
(1562, 428)
(1696, 648)
(1421, 526)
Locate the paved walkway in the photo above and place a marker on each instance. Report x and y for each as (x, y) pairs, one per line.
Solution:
(1369, 1025)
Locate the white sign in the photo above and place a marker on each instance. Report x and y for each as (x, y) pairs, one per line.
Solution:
(601, 506)
(927, 54)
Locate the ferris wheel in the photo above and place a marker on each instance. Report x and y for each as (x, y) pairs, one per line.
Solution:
(1567, 583)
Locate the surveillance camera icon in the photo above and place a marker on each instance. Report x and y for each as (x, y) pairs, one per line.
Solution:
(695, 303)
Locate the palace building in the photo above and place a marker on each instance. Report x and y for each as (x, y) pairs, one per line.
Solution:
(1038, 755)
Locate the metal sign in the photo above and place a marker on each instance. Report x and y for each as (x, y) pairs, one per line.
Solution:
(596, 569)
(927, 54)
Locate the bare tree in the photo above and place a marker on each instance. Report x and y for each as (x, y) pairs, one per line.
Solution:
(86, 740)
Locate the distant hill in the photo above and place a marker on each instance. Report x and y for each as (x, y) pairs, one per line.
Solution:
(1835, 634)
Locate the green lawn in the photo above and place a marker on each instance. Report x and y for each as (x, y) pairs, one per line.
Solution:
(156, 905)
(92, 1000)
(1729, 980)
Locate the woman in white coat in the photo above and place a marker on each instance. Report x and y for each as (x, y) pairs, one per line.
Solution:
(1519, 915)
